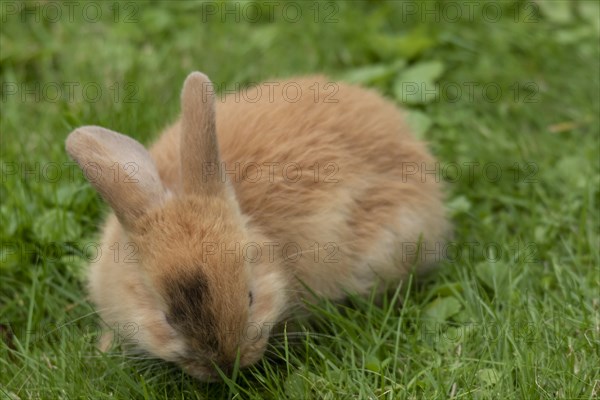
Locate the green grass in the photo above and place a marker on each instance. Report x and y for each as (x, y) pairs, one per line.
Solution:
(514, 313)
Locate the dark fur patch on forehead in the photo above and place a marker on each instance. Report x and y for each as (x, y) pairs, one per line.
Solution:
(189, 310)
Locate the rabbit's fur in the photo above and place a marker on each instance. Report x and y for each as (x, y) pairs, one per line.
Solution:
(222, 230)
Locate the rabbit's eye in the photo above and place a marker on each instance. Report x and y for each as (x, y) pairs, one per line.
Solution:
(250, 298)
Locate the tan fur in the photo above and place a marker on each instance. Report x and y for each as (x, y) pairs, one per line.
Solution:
(349, 225)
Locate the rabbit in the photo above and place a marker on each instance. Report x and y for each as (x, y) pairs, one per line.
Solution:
(250, 206)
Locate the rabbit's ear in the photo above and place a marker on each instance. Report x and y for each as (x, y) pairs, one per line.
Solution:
(120, 169)
(200, 160)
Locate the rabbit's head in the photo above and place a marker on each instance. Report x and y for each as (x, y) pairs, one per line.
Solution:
(212, 307)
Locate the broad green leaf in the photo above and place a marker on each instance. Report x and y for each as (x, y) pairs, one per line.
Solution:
(488, 376)
(493, 274)
(371, 74)
(448, 289)
(408, 46)
(372, 363)
(74, 197)
(590, 10)
(295, 386)
(9, 220)
(556, 11)
(75, 265)
(57, 225)
(419, 123)
(441, 309)
(573, 36)
(156, 20)
(459, 205)
(413, 45)
(416, 85)
(424, 71)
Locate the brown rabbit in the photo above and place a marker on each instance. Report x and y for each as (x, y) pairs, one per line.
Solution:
(243, 204)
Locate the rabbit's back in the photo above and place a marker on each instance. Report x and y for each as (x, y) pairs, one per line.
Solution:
(329, 171)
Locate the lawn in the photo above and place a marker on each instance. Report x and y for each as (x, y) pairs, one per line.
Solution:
(507, 96)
